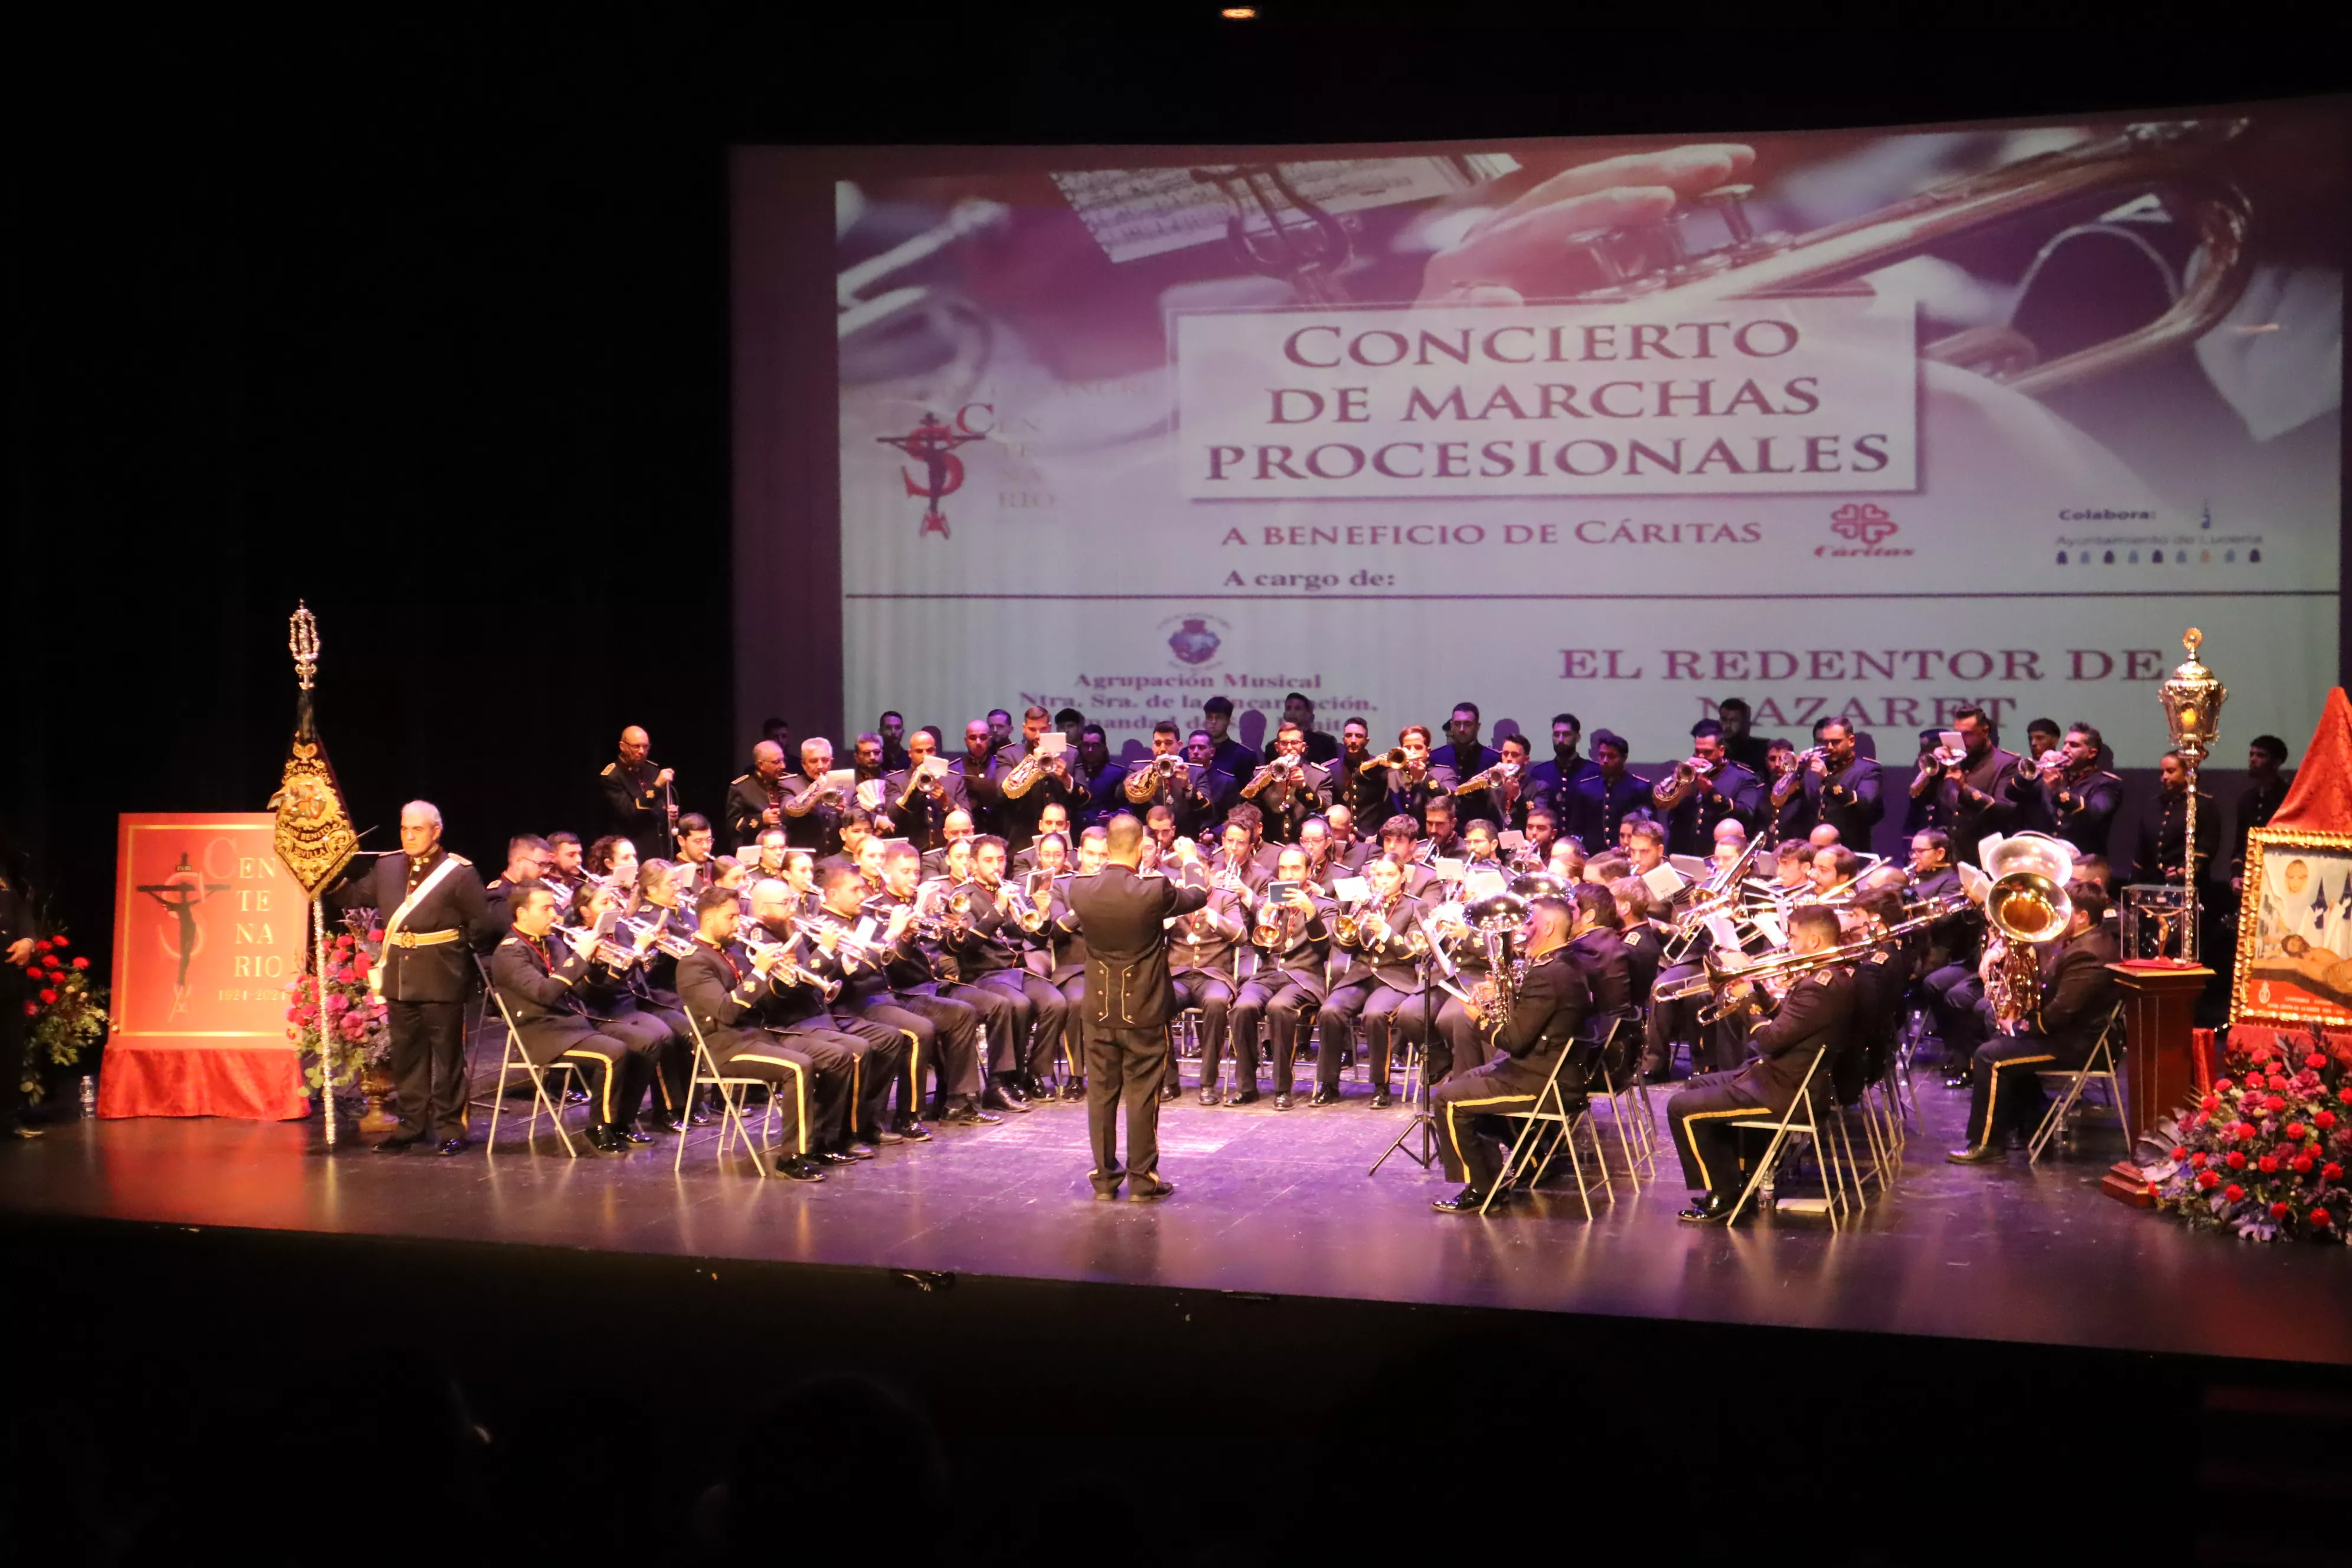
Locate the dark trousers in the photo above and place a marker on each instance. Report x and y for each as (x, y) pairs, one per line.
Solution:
(1074, 1040)
(877, 1056)
(1719, 1047)
(615, 1060)
(1280, 999)
(1458, 1042)
(663, 1032)
(1123, 1070)
(1392, 1018)
(998, 1011)
(1335, 1026)
(429, 1066)
(1700, 1116)
(807, 1073)
(14, 995)
(1214, 996)
(1952, 994)
(1473, 1139)
(940, 1034)
(2005, 1091)
(1038, 1025)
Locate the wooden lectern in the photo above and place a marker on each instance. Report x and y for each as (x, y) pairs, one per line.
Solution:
(2159, 1010)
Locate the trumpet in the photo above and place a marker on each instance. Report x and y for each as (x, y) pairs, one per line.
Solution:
(2031, 768)
(784, 969)
(662, 935)
(602, 950)
(1499, 773)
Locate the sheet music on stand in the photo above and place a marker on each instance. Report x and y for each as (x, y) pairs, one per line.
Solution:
(1135, 213)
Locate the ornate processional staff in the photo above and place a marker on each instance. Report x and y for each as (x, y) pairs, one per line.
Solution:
(2192, 698)
(314, 838)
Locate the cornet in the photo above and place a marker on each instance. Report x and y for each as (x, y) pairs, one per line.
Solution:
(1493, 775)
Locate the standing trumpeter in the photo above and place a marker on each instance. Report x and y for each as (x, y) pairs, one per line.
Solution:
(1705, 789)
(2065, 793)
(925, 792)
(1966, 792)
(433, 910)
(1287, 789)
(1843, 786)
(755, 801)
(1128, 1002)
(1413, 778)
(1542, 1015)
(640, 799)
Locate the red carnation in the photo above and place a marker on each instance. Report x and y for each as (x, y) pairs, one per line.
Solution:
(2322, 1218)
(52, 962)
(2221, 1085)
(48, 997)
(2274, 1103)
(2324, 1119)
(376, 935)
(2331, 1172)
(32, 971)
(2278, 1211)
(2234, 1192)
(2303, 1165)
(2345, 1094)
(2206, 1180)
(80, 962)
(2267, 1165)
(2294, 1131)
(2242, 1130)
(59, 940)
(2198, 1160)
(2210, 1102)
(2237, 1161)
(2278, 1081)
(44, 945)
(2261, 1053)
(2180, 1154)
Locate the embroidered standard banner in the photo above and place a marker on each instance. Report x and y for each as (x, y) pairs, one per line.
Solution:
(208, 935)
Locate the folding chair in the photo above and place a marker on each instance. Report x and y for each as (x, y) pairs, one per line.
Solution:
(1799, 1120)
(2100, 1064)
(1618, 1063)
(565, 1073)
(1549, 1124)
(732, 1092)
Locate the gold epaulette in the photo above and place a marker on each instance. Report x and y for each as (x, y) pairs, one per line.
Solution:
(609, 767)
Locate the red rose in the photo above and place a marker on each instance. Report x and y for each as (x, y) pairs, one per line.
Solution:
(2267, 1165)
(2275, 1104)
(48, 997)
(2198, 1160)
(2221, 1085)
(32, 971)
(2345, 1094)
(51, 961)
(2322, 1218)
(2208, 1179)
(2180, 1154)
(2303, 1165)
(2324, 1119)
(80, 962)
(2294, 1131)
(2278, 1211)
(2234, 1192)
(59, 940)
(2237, 1159)
(2331, 1172)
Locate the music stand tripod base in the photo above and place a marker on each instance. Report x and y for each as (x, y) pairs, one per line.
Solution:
(1424, 1120)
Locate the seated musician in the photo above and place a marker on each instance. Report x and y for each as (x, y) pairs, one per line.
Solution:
(907, 995)
(1730, 845)
(1792, 866)
(2078, 992)
(1159, 837)
(621, 1000)
(1380, 985)
(1835, 872)
(1443, 842)
(754, 800)
(1638, 934)
(1551, 1007)
(771, 863)
(566, 869)
(1813, 1016)
(1350, 849)
(878, 1052)
(1236, 854)
(528, 858)
(812, 810)
(1292, 938)
(1645, 844)
(1881, 977)
(1482, 850)
(1323, 867)
(990, 950)
(693, 869)
(800, 881)
(659, 906)
(538, 984)
(1064, 955)
(1207, 950)
(1596, 945)
(1400, 841)
(612, 860)
(858, 830)
(806, 1069)
(1540, 824)
(1287, 789)
(1053, 819)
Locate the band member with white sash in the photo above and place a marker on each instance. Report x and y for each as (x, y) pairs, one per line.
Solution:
(433, 910)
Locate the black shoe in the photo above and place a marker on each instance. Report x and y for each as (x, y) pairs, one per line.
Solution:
(658, 1123)
(631, 1134)
(599, 1138)
(457, 1145)
(1209, 1095)
(1107, 1194)
(800, 1167)
(906, 1129)
(1075, 1090)
(1284, 1102)
(1382, 1099)
(1325, 1094)
(1149, 1188)
(859, 1149)
(1469, 1200)
(1170, 1090)
(964, 1113)
(887, 1135)
(1711, 1209)
(994, 1098)
(1244, 1097)
(398, 1141)
(1981, 1154)
(575, 1097)
(698, 1117)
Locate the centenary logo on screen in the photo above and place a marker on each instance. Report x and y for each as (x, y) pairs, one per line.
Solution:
(1868, 525)
(1192, 642)
(932, 442)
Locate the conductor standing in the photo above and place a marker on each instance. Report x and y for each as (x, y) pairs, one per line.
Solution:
(1128, 1002)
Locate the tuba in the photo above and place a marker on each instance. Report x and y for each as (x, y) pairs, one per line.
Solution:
(2027, 905)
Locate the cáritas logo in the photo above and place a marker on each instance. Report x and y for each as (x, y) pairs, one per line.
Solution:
(1867, 525)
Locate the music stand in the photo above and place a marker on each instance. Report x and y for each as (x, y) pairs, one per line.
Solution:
(1423, 1120)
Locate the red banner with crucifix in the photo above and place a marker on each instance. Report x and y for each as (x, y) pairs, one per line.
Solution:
(209, 932)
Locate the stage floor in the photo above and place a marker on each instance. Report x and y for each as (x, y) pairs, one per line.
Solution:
(1277, 1204)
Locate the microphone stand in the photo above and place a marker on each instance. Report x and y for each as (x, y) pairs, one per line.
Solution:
(1423, 1124)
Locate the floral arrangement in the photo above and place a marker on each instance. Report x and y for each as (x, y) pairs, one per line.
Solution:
(67, 1008)
(2264, 1150)
(334, 1018)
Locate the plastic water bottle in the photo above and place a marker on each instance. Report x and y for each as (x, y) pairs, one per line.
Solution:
(89, 1097)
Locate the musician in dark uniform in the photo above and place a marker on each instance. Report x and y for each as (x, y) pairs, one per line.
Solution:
(1381, 985)
(753, 799)
(921, 806)
(1101, 782)
(1843, 787)
(1813, 1014)
(1595, 803)
(813, 809)
(1788, 810)
(2265, 793)
(1358, 781)
(1206, 949)
(1596, 946)
(1554, 782)
(1128, 1002)
(539, 987)
(1551, 1007)
(1707, 789)
(808, 1071)
(431, 908)
(2164, 826)
(639, 802)
(990, 951)
(1025, 791)
(1291, 979)
(1968, 795)
(1227, 755)
(910, 973)
(1502, 800)
(975, 771)
(1288, 789)
(2078, 993)
(2075, 800)
(1642, 946)
(1465, 757)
